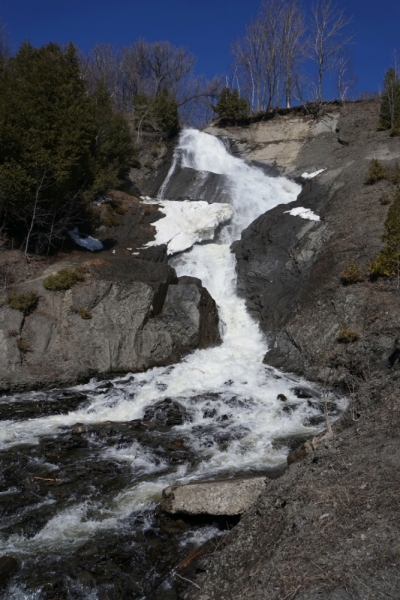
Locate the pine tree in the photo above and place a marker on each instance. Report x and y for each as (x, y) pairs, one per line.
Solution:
(113, 151)
(58, 145)
(389, 117)
(159, 113)
(166, 112)
(387, 262)
(231, 106)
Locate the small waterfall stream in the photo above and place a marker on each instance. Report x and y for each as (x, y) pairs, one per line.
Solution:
(84, 522)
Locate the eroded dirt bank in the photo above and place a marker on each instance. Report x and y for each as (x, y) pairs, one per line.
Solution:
(329, 528)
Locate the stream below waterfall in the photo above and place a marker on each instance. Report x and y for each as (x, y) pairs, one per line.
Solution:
(83, 468)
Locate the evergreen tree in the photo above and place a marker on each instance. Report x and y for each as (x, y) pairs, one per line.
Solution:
(166, 112)
(389, 117)
(387, 262)
(156, 114)
(113, 151)
(58, 145)
(231, 106)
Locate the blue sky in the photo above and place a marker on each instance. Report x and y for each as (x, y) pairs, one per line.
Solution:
(206, 27)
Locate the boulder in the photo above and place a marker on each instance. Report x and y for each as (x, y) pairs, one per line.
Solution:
(124, 317)
(189, 320)
(215, 498)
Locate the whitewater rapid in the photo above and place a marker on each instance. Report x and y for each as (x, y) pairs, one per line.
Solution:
(224, 389)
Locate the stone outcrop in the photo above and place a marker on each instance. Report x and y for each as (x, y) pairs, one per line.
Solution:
(197, 185)
(127, 315)
(214, 498)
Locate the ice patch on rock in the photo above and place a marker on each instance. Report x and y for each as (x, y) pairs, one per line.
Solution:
(304, 213)
(86, 242)
(312, 175)
(186, 223)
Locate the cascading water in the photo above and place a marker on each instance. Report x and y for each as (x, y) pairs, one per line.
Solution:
(231, 421)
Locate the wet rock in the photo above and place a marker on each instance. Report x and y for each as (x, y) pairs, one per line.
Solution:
(87, 579)
(8, 564)
(197, 185)
(165, 413)
(281, 397)
(302, 392)
(219, 497)
(104, 387)
(78, 429)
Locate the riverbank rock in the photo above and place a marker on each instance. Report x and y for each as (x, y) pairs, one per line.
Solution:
(127, 315)
(214, 498)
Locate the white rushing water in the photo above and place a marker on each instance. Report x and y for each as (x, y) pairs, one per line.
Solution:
(225, 390)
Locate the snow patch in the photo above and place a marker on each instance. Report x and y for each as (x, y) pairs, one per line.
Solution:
(304, 213)
(186, 222)
(312, 175)
(86, 242)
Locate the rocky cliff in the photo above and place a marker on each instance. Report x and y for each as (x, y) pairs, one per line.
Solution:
(329, 527)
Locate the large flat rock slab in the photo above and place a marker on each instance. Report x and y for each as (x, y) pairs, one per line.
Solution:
(127, 326)
(215, 498)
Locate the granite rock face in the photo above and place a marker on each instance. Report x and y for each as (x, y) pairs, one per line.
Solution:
(120, 319)
(214, 498)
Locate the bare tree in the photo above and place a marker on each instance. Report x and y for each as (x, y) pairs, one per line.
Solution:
(345, 75)
(269, 56)
(326, 38)
(102, 63)
(293, 46)
(273, 15)
(249, 53)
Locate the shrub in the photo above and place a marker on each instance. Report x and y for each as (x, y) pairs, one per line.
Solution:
(376, 172)
(347, 336)
(83, 313)
(387, 263)
(24, 345)
(12, 333)
(155, 150)
(63, 280)
(393, 174)
(385, 199)
(108, 219)
(119, 209)
(148, 164)
(26, 303)
(351, 274)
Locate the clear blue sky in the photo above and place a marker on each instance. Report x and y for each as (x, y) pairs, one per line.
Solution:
(206, 27)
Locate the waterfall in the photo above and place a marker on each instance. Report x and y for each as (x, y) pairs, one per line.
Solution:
(237, 424)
